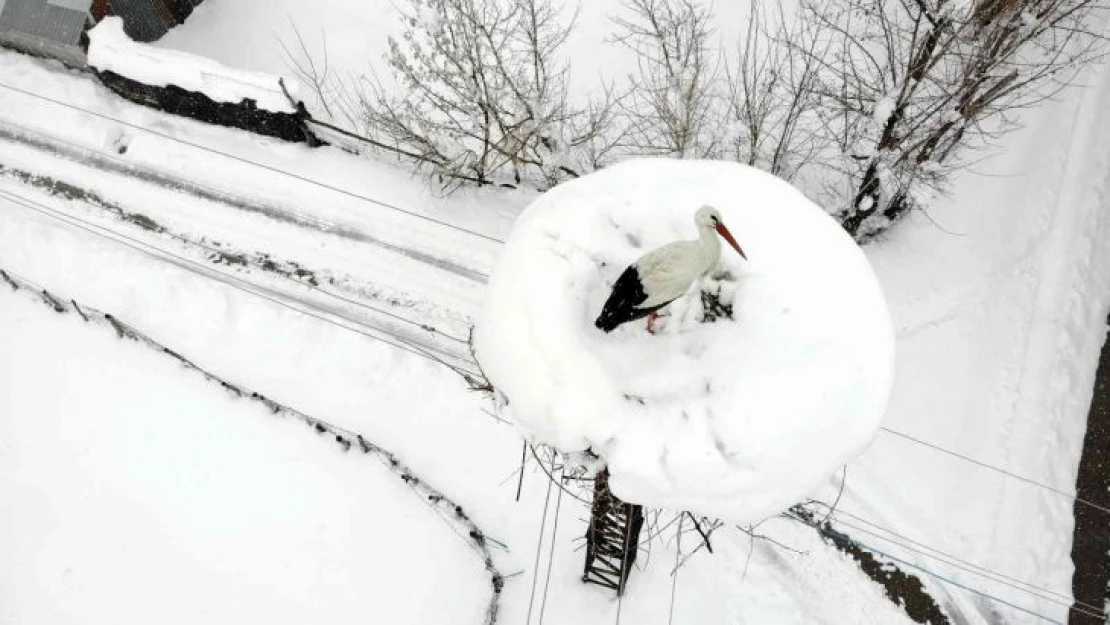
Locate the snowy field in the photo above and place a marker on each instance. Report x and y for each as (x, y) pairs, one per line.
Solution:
(137, 491)
(143, 493)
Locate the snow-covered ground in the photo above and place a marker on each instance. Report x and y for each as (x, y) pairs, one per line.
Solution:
(999, 327)
(411, 406)
(999, 318)
(136, 492)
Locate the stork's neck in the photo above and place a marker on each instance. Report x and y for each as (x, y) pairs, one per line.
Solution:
(710, 246)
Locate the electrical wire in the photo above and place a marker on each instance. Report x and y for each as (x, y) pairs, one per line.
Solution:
(551, 552)
(981, 570)
(324, 185)
(928, 572)
(980, 463)
(43, 141)
(539, 547)
(404, 344)
(420, 352)
(988, 574)
(316, 288)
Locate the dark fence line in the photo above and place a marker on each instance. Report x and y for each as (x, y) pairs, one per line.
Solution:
(244, 114)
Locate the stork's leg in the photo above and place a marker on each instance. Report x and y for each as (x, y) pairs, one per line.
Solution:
(651, 322)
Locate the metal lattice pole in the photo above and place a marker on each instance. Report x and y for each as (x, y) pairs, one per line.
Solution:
(613, 537)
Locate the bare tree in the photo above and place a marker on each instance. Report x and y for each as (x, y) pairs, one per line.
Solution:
(483, 95)
(336, 96)
(670, 104)
(771, 102)
(907, 85)
(314, 72)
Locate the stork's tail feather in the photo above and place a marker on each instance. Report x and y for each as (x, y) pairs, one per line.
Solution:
(628, 292)
(607, 322)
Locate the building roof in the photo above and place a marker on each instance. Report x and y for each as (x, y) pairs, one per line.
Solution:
(61, 21)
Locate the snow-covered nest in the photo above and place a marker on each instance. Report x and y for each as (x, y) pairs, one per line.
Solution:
(736, 417)
(110, 49)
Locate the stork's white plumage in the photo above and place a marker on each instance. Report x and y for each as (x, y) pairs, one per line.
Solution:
(665, 274)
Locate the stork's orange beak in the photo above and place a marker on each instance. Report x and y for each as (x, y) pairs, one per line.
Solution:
(723, 231)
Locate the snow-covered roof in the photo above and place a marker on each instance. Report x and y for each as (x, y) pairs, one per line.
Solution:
(110, 49)
(737, 418)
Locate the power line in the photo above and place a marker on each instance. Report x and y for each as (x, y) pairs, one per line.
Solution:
(408, 345)
(824, 532)
(539, 547)
(404, 344)
(111, 234)
(229, 280)
(984, 571)
(1083, 608)
(215, 250)
(44, 141)
(241, 159)
(392, 315)
(421, 352)
(980, 463)
(551, 551)
(1078, 606)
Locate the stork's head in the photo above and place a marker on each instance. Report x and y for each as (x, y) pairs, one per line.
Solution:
(707, 218)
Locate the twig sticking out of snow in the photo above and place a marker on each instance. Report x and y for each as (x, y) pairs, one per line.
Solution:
(480, 383)
(452, 513)
(704, 535)
(839, 494)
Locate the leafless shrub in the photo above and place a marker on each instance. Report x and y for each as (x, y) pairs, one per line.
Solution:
(312, 71)
(335, 95)
(906, 86)
(771, 103)
(670, 104)
(483, 95)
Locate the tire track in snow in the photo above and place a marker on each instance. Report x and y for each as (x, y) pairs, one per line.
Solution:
(424, 340)
(88, 157)
(1052, 387)
(443, 506)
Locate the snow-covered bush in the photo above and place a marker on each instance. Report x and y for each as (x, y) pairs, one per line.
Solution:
(481, 94)
(868, 106)
(671, 100)
(907, 88)
(770, 107)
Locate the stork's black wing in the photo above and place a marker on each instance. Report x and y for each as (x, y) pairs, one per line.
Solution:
(621, 307)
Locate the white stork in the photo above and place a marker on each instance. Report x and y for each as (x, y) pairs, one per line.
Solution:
(665, 274)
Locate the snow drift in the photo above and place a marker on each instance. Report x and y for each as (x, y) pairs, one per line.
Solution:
(735, 417)
(110, 49)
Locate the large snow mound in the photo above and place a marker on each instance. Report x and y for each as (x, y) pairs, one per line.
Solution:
(735, 418)
(110, 49)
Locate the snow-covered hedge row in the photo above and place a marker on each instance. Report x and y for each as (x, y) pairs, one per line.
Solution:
(193, 86)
